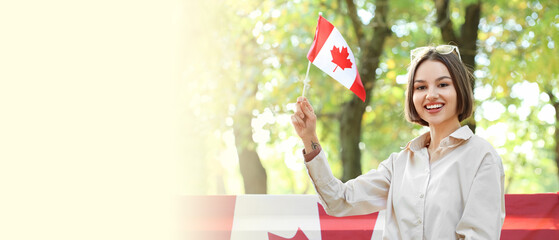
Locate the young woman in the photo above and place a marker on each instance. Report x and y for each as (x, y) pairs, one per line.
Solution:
(445, 184)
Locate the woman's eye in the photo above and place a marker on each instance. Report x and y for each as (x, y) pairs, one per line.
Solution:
(420, 88)
(443, 85)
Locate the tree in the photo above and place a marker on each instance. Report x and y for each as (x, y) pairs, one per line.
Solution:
(254, 174)
(370, 38)
(466, 40)
(244, 100)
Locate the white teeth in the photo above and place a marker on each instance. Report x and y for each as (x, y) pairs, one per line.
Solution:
(434, 106)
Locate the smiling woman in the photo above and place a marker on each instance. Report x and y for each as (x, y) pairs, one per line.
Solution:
(445, 184)
(447, 67)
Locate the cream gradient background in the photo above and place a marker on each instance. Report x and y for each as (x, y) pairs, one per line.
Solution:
(90, 112)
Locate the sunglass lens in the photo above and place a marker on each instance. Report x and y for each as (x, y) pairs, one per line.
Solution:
(445, 49)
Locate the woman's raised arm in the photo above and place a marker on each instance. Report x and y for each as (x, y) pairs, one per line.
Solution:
(304, 122)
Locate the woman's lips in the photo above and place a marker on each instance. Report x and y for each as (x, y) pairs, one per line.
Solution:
(434, 108)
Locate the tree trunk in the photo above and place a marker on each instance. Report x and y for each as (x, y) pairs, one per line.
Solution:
(254, 174)
(350, 136)
(555, 102)
(467, 39)
(353, 110)
(556, 105)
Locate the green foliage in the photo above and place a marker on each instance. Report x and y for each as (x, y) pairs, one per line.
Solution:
(517, 40)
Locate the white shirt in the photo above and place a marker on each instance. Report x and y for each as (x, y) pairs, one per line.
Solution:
(460, 195)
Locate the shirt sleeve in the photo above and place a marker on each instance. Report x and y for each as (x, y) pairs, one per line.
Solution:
(484, 211)
(363, 195)
(311, 155)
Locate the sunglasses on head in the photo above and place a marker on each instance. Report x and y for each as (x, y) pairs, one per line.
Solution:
(442, 49)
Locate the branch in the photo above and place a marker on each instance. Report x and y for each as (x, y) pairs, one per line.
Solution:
(555, 103)
(357, 24)
(381, 7)
(468, 33)
(444, 22)
(471, 21)
(552, 97)
(374, 47)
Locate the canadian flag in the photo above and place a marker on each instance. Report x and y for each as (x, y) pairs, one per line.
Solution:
(331, 54)
(301, 217)
(274, 217)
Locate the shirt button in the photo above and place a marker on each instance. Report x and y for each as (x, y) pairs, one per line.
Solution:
(418, 221)
(427, 170)
(421, 196)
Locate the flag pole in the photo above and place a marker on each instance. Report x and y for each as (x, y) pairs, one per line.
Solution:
(306, 81)
(306, 84)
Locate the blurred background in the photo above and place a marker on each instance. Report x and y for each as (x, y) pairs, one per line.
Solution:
(246, 60)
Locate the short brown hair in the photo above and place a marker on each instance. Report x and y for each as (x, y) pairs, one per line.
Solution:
(462, 79)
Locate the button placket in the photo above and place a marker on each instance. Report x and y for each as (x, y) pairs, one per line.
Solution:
(422, 192)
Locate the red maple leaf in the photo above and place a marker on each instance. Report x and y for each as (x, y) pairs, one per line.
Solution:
(340, 58)
(335, 228)
(300, 235)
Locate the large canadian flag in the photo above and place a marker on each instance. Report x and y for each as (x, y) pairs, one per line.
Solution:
(331, 54)
(301, 217)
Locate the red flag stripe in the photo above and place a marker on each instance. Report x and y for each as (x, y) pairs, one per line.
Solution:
(529, 234)
(323, 30)
(358, 88)
(534, 216)
(353, 227)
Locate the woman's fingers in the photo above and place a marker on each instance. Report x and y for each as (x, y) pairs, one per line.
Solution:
(302, 112)
(299, 110)
(306, 102)
(297, 121)
(307, 109)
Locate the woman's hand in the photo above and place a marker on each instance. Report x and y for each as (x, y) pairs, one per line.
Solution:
(304, 122)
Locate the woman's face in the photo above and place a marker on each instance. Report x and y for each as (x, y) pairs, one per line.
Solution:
(434, 94)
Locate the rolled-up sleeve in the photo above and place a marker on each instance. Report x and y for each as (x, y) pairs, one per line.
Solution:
(365, 194)
(484, 210)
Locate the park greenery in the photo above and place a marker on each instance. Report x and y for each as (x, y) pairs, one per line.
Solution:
(247, 60)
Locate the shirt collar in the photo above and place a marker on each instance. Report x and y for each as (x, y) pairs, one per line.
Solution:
(454, 139)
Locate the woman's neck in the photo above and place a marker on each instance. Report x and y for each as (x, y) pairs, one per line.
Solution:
(441, 131)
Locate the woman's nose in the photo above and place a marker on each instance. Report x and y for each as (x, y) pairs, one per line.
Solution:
(432, 94)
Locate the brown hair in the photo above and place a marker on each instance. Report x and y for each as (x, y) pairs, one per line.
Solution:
(462, 80)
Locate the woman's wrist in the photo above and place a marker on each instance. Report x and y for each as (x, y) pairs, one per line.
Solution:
(311, 144)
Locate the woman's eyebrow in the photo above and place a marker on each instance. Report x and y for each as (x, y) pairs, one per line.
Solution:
(442, 77)
(438, 79)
